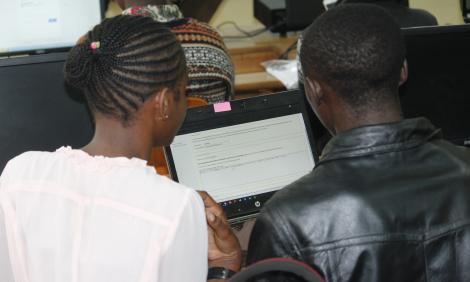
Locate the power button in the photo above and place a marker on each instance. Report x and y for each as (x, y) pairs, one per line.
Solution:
(257, 204)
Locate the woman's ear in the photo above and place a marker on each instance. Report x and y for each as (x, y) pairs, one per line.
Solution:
(161, 104)
(403, 73)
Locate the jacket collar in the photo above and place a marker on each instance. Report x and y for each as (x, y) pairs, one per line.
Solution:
(380, 138)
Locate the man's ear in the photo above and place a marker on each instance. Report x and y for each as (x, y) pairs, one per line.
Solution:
(403, 73)
(161, 104)
(314, 91)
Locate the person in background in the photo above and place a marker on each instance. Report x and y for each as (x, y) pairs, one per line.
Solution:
(99, 213)
(389, 199)
(401, 12)
(210, 69)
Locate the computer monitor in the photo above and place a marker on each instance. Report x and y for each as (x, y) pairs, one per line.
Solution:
(38, 26)
(465, 10)
(287, 15)
(438, 86)
(36, 111)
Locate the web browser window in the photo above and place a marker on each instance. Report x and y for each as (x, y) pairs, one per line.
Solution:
(246, 159)
(31, 25)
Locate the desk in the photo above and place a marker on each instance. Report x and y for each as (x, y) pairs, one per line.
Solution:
(247, 54)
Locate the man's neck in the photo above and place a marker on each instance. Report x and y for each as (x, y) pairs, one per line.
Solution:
(369, 118)
(347, 118)
(111, 139)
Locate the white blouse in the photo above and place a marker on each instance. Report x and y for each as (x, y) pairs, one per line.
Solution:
(69, 217)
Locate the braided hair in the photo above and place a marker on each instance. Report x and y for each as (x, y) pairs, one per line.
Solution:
(122, 62)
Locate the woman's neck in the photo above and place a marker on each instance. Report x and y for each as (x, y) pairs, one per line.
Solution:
(112, 139)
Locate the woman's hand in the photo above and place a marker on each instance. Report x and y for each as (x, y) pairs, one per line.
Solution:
(224, 248)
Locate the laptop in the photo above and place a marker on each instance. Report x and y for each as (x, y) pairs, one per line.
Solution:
(242, 152)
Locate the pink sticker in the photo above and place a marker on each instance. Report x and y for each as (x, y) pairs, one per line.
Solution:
(222, 107)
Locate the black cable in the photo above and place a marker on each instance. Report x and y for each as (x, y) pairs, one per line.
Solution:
(245, 33)
(285, 54)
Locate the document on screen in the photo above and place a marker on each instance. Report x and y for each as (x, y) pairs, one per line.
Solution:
(246, 159)
(36, 25)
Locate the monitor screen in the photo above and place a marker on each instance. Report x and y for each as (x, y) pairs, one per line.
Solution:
(37, 25)
(438, 87)
(36, 112)
(466, 8)
(244, 160)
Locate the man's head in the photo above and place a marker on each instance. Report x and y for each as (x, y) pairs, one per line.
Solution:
(401, 2)
(352, 58)
(132, 70)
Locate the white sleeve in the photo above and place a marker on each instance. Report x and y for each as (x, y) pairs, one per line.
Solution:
(186, 257)
(6, 274)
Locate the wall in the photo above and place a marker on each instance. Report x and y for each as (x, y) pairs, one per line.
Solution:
(241, 11)
(446, 11)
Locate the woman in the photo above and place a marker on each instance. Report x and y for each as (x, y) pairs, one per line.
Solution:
(100, 213)
(210, 69)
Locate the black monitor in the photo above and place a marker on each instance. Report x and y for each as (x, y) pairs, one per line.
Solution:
(41, 26)
(465, 10)
(438, 86)
(287, 15)
(36, 111)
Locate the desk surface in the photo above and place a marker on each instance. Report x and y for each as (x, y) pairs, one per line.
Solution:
(247, 54)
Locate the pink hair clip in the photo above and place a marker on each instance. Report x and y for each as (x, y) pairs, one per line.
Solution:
(95, 45)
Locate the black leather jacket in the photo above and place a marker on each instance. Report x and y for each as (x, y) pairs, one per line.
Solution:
(385, 203)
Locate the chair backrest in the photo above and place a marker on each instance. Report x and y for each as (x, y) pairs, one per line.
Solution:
(194, 102)
(280, 265)
(157, 157)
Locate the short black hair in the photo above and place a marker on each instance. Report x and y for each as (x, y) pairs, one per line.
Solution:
(401, 2)
(122, 62)
(356, 50)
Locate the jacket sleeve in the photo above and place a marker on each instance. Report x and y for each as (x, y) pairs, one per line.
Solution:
(271, 238)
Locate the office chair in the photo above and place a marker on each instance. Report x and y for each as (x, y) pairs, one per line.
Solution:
(282, 265)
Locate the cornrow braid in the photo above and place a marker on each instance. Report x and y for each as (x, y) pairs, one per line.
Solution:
(122, 62)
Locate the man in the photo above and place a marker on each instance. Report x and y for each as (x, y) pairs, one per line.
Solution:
(210, 68)
(389, 200)
(401, 12)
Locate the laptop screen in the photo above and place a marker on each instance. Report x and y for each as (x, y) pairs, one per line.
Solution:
(244, 157)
